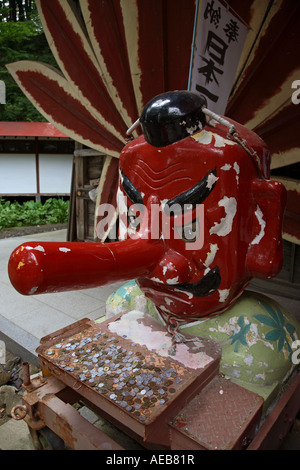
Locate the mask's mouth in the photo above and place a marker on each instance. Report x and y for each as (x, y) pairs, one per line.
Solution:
(206, 286)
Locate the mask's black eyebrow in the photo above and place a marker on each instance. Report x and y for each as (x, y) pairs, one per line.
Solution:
(130, 190)
(195, 195)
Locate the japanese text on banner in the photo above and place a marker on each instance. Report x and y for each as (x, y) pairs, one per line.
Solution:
(219, 43)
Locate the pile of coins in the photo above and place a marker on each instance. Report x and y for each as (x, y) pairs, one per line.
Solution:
(130, 376)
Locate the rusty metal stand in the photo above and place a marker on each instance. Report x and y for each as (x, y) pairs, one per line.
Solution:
(178, 402)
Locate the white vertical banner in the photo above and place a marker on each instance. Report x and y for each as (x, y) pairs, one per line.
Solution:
(219, 42)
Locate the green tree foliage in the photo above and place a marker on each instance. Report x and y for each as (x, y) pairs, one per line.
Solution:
(21, 38)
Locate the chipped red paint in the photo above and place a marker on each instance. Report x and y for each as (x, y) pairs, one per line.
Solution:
(166, 268)
(179, 424)
(163, 59)
(264, 77)
(110, 36)
(180, 17)
(34, 266)
(292, 214)
(281, 132)
(109, 191)
(163, 32)
(258, 251)
(151, 59)
(243, 9)
(78, 65)
(66, 109)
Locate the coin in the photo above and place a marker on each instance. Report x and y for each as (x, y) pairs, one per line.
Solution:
(168, 383)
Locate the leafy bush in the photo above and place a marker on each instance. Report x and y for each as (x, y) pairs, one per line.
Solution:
(14, 214)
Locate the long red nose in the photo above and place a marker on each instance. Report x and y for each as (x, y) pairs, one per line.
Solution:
(37, 267)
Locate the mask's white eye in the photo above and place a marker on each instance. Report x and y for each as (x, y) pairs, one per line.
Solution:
(189, 232)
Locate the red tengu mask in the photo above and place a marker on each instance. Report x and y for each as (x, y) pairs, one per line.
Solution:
(216, 211)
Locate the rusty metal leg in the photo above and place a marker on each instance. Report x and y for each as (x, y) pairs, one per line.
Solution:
(34, 437)
(43, 408)
(26, 374)
(279, 422)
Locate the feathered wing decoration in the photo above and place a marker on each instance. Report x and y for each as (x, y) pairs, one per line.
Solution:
(115, 55)
(261, 98)
(262, 95)
(49, 91)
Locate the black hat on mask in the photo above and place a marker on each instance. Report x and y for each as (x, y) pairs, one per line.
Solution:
(172, 116)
